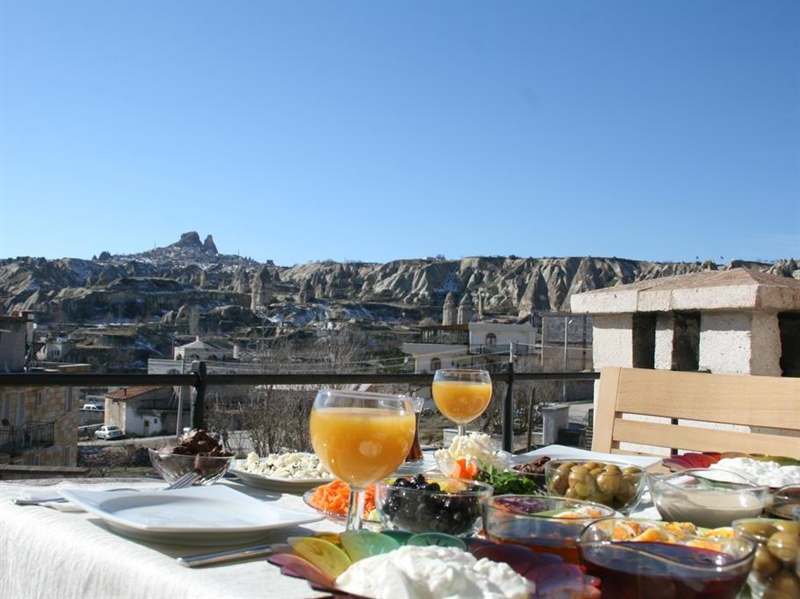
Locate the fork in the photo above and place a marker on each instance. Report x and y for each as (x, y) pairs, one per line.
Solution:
(187, 480)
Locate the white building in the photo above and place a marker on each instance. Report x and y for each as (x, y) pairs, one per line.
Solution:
(498, 336)
(456, 346)
(143, 411)
(55, 349)
(201, 351)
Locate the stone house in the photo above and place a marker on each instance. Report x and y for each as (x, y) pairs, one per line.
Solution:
(38, 426)
(736, 321)
(13, 341)
(143, 411)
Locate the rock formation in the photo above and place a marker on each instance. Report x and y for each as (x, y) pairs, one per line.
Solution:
(465, 309)
(151, 284)
(261, 294)
(209, 246)
(449, 310)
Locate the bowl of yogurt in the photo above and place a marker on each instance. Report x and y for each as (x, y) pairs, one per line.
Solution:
(708, 497)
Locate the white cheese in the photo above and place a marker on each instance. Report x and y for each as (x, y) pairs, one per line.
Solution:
(770, 474)
(291, 465)
(433, 573)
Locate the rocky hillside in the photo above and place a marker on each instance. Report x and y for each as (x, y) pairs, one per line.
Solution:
(151, 284)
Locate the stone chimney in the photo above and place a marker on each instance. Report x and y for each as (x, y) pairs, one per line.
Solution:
(306, 293)
(261, 294)
(449, 310)
(465, 309)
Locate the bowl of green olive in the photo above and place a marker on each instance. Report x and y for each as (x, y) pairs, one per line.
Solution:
(774, 574)
(616, 485)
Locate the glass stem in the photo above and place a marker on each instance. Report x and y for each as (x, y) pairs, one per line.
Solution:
(462, 430)
(355, 511)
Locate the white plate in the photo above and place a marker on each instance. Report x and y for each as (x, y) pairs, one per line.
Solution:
(212, 515)
(274, 483)
(558, 452)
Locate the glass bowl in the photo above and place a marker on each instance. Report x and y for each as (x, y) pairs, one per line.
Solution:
(786, 503)
(774, 572)
(545, 524)
(449, 505)
(172, 466)
(615, 484)
(707, 497)
(690, 567)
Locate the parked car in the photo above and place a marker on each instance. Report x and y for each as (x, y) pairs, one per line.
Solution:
(109, 432)
(92, 407)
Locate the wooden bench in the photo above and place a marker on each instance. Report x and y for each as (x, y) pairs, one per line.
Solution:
(753, 401)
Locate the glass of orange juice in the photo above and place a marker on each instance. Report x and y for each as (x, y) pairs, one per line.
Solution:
(462, 394)
(361, 438)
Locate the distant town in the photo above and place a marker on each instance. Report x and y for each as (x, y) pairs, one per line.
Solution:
(166, 310)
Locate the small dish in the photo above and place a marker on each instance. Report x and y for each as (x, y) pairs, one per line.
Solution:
(544, 524)
(689, 567)
(275, 483)
(707, 497)
(614, 484)
(171, 466)
(431, 503)
(774, 572)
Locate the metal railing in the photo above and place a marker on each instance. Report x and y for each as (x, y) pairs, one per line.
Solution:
(28, 436)
(199, 379)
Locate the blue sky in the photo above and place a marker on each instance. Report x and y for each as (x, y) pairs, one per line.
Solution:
(380, 130)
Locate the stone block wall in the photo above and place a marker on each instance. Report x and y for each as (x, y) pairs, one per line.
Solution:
(29, 405)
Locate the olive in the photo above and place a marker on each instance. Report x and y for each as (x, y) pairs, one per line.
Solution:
(582, 490)
(592, 465)
(612, 468)
(625, 491)
(784, 585)
(596, 472)
(564, 468)
(788, 526)
(765, 564)
(571, 494)
(559, 484)
(759, 529)
(608, 482)
(631, 470)
(783, 545)
(577, 475)
(604, 498)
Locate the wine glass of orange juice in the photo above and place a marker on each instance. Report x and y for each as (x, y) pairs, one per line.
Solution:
(361, 438)
(462, 395)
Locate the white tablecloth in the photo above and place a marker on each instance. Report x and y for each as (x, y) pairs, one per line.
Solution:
(50, 554)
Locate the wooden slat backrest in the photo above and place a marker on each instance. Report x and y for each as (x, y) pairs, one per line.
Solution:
(757, 401)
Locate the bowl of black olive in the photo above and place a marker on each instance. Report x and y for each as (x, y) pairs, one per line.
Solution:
(431, 503)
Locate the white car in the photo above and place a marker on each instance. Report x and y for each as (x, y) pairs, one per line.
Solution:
(109, 432)
(92, 407)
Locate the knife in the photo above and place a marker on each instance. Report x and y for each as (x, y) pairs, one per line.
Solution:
(220, 557)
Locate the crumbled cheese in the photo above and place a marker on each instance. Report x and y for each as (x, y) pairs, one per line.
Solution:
(292, 465)
(425, 572)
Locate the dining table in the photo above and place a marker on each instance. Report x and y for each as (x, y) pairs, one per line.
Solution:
(57, 551)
